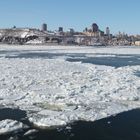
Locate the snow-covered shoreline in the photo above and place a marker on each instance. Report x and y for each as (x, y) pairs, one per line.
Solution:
(55, 92)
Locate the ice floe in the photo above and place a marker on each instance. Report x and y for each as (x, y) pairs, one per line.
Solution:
(8, 126)
(55, 92)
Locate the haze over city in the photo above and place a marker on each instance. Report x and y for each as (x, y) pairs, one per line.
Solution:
(119, 15)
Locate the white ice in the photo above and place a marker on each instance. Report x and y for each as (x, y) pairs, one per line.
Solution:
(55, 92)
(8, 126)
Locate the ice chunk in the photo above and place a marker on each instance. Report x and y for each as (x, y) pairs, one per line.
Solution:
(8, 126)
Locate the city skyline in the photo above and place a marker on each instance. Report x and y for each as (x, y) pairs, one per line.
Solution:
(118, 15)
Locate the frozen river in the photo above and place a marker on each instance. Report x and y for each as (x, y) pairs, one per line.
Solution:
(55, 86)
(105, 58)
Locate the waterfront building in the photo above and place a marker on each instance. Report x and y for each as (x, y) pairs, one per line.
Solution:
(137, 43)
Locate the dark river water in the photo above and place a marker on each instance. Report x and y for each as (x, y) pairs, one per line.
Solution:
(124, 126)
(106, 59)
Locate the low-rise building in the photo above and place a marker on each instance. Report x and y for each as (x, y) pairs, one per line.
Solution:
(137, 43)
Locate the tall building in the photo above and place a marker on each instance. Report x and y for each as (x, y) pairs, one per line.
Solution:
(71, 30)
(107, 31)
(44, 27)
(86, 29)
(95, 28)
(60, 29)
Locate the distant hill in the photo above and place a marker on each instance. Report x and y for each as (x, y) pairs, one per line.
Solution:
(20, 35)
(21, 32)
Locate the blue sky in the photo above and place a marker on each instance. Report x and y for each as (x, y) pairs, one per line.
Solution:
(119, 15)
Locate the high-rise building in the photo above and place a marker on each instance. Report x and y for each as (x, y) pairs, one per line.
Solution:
(71, 30)
(95, 28)
(44, 27)
(107, 31)
(60, 29)
(86, 29)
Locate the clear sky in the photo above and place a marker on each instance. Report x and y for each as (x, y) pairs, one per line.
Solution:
(119, 15)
